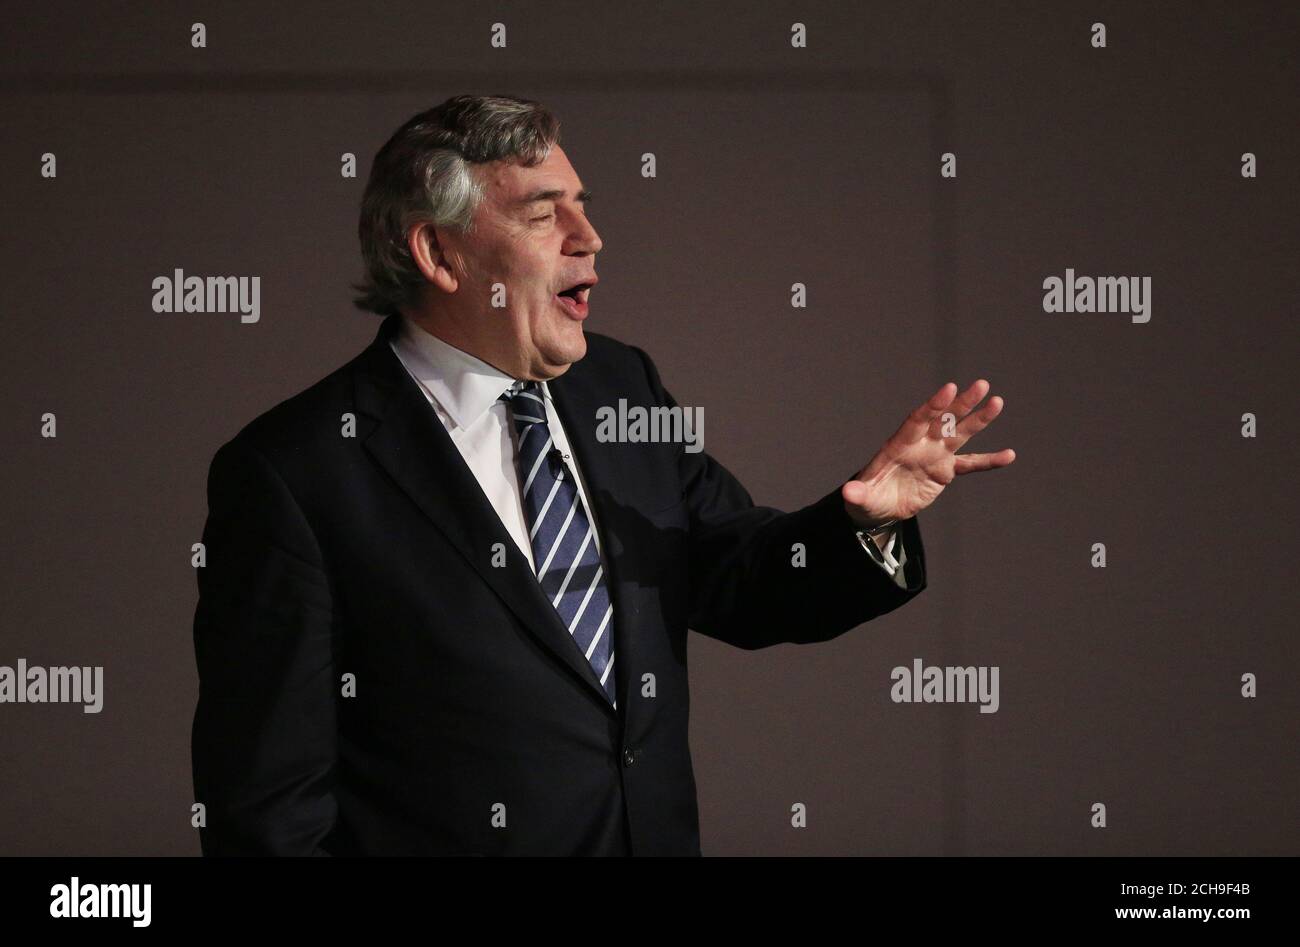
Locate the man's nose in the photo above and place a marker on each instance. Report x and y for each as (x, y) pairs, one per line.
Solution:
(584, 238)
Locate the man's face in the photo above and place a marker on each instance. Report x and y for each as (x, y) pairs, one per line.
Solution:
(532, 236)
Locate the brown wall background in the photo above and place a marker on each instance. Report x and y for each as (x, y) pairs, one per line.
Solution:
(776, 165)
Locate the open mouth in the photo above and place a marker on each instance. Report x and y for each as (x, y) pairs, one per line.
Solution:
(574, 299)
(577, 292)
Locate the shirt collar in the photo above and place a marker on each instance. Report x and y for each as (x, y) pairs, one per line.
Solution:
(464, 385)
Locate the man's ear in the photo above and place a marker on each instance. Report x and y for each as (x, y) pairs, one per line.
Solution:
(429, 256)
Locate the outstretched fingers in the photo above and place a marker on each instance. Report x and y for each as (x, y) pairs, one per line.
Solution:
(968, 399)
(919, 421)
(977, 421)
(974, 463)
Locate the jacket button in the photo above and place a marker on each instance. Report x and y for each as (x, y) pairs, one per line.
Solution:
(629, 756)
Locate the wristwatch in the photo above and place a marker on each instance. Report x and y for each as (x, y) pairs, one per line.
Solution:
(866, 538)
(877, 529)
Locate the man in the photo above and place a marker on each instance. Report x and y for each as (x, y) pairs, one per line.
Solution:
(439, 614)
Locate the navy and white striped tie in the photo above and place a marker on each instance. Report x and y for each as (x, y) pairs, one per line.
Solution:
(564, 546)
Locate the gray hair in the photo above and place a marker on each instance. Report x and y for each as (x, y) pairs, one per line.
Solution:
(423, 174)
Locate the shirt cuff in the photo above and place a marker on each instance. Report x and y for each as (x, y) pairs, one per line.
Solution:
(884, 558)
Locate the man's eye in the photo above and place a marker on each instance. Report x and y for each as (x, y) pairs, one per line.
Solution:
(544, 217)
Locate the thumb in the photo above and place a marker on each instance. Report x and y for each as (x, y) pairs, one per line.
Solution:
(854, 493)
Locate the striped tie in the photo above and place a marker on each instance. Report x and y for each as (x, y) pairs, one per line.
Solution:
(564, 547)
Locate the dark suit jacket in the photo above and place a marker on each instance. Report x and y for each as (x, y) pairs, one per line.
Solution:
(371, 684)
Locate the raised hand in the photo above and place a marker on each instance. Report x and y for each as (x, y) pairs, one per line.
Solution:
(917, 462)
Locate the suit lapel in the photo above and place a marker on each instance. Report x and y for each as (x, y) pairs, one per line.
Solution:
(409, 441)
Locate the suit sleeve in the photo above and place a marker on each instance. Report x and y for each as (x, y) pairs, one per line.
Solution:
(760, 576)
(264, 738)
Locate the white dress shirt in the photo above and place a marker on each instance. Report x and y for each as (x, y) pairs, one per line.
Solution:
(464, 392)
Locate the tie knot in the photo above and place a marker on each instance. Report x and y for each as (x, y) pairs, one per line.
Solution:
(528, 388)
